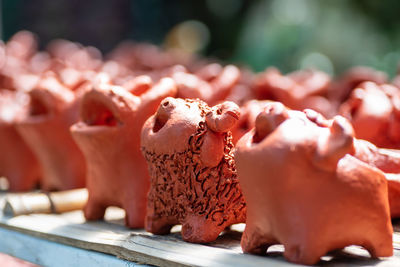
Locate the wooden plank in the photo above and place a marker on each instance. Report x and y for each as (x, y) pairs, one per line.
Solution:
(46, 253)
(112, 237)
(71, 229)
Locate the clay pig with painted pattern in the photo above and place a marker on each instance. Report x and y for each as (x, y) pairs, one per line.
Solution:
(189, 152)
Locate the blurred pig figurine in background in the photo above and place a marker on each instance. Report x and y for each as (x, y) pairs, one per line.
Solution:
(374, 111)
(297, 90)
(248, 114)
(17, 162)
(45, 128)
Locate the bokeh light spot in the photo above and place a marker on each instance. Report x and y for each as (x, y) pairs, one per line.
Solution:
(317, 60)
(190, 36)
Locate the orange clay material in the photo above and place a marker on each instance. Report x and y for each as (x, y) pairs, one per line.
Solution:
(189, 152)
(213, 91)
(53, 109)
(297, 90)
(305, 190)
(17, 162)
(109, 136)
(374, 111)
(340, 89)
(388, 161)
(248, 114)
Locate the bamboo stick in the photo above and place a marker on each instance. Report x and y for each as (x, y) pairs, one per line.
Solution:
(39, 202)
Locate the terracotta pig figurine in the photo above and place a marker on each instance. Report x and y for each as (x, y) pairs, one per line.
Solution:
(17, 162)
(189, 151)
(297, 90)
(248, 114)
(53, 109)
(341, 88)
(305, 190)
(211, 91)
(109, 136)
(374, 111)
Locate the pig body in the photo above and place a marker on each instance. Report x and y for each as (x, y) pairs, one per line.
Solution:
(305, 189)
(189, 151)
(109, 136)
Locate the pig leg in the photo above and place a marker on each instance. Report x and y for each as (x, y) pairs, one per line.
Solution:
(380, 245)
(135, 214)
(94, 210)
(158, 226)
(198, 229)
(308, 253)
(256, 242)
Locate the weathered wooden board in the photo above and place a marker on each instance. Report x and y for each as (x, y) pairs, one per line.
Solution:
(47, 253)
(111, 237)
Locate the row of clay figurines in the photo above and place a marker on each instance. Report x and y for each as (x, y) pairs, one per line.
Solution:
(307, 182)
(294, 177)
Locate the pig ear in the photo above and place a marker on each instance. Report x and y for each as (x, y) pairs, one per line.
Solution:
(268, 120)
(335, 144)
(223, 117)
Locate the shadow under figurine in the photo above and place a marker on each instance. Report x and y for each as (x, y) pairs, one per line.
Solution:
(53, 109)
(17, 162)
(189, 151)
(305, 190)
(109, 136)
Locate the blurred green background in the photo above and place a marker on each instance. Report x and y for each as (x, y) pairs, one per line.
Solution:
(331, 35)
